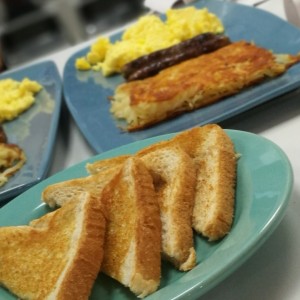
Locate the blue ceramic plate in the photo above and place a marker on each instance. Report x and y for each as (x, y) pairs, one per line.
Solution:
(264, 183)
(86, 93)
(35, 130)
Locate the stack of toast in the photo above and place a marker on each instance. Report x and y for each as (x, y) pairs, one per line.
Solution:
(124, 217)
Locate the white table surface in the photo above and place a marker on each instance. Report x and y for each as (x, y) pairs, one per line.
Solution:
(273, 272)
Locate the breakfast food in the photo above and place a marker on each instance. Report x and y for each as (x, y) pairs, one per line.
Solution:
(149, 65)
(174, 178)
(173, 174)
(147, 35)
(60, 193)
(57, 256)
(3, 138)
(106, 165)
(213, 154)
(133, 237)
(12, 158)
(150, 201)
(16, 97)
(196, 82)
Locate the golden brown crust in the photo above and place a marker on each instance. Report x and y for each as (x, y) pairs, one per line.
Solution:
(215, 159)
(49, 256)
(148, 227)
(197, 82)
(227, 64)
(206, 145)
(174, 185)
(58, 194)
(106, 164)
(130, 201)
(12, 159)
(133, 239)
(201, 159)
(226, 188)
(3, 137)
(83, 272)
(174, 181)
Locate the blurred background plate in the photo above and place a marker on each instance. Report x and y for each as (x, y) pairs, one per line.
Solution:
(34, 130)
(86, 92)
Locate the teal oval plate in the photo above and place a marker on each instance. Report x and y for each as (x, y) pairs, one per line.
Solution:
(264, 183)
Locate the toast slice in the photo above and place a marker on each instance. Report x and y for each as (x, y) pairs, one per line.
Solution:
(57, 256)
(132, 253)
(58, 194)
(213, 153)
(174, 176)
(215, 161)
(132, 250)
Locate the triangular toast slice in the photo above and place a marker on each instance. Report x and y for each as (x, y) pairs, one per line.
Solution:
(58, 194)
(173, 172)
(133, 240)
(174, 176)
(215, 160)
(57, 256)
(214, 155)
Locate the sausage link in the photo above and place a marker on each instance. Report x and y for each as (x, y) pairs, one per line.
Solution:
(3, 138)
(151, 64)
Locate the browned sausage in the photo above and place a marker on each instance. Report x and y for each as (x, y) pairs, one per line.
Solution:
(3, 138)
(151, 64)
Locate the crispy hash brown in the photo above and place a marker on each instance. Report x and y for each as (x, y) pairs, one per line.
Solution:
(12, 158)
(196, 82)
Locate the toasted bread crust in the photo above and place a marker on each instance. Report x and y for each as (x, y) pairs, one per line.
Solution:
(106, 164)
(133, 239)
(173, 172)
(60, 193)
(87, 262)
(174, 181)
(58, 256)
(155, 197)
(133, 205)
(214, 155)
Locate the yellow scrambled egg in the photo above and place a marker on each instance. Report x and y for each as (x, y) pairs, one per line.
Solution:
(148, 34)
(16, 97)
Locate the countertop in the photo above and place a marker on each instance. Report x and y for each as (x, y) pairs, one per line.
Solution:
(273, 272)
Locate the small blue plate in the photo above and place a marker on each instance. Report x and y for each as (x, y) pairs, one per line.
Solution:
(264, 184)
(87, 92)
(34, 130)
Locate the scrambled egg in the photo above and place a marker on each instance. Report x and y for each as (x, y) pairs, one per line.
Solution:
(148, 34)
(16, 97)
